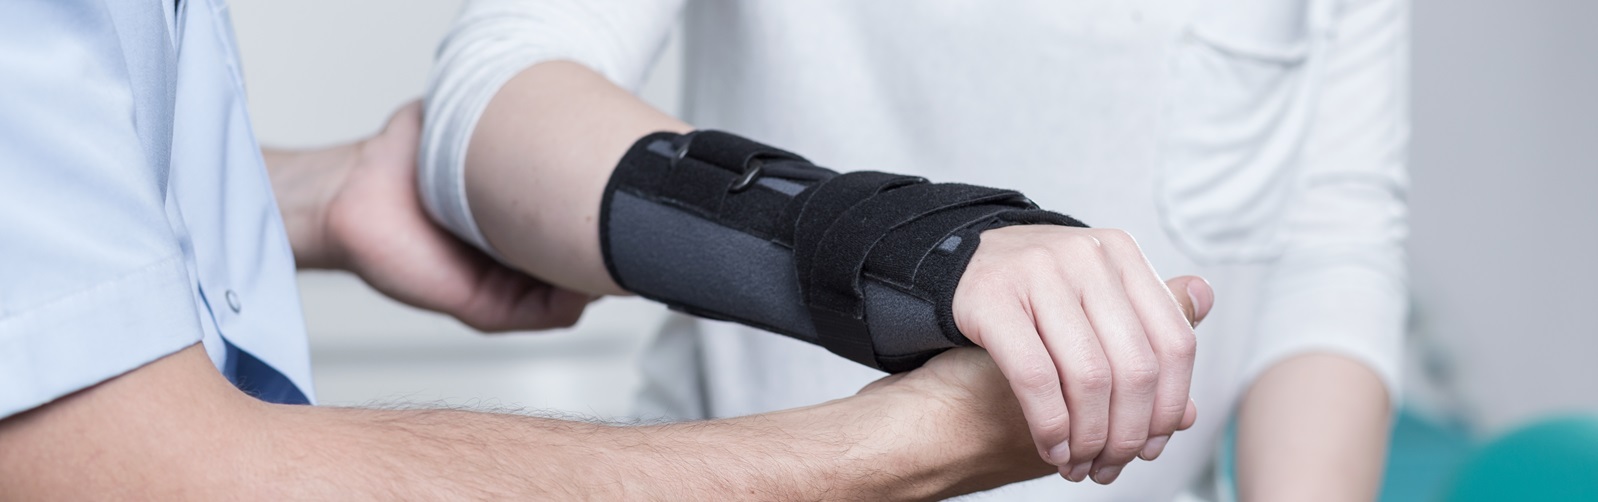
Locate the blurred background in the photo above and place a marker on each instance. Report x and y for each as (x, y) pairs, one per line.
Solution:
(1504, 250)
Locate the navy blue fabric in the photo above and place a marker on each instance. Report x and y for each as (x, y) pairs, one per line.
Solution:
(259, 379)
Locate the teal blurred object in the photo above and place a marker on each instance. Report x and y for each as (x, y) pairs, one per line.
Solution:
(1552, 459)
(1422, 458)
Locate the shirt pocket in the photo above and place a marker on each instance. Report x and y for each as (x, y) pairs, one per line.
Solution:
(1236, 111)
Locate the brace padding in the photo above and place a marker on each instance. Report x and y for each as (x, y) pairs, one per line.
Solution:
(862, 263)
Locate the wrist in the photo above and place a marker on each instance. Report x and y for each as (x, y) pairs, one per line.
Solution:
(928, 444)
(305, 183)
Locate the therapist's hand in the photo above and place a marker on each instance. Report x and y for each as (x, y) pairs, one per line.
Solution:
(356, 207)
(1097, 349)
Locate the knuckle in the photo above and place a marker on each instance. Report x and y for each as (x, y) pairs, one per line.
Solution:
(1125, 448)
(1116, 237)
(1051, 428)
(1088, 446)
(1037, 380)
(1141, 374)
(1083, 245)
(1095, 378)
(1183, 346)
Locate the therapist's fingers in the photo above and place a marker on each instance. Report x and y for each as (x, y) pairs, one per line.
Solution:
(1189, 417)
(1194, 295)
(384, 235)
(506, 299)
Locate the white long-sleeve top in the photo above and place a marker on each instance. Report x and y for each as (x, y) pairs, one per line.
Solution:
(1259, 143)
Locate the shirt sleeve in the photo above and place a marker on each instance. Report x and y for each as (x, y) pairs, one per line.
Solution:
(93, 280)
(493, 41)
(1341, 284)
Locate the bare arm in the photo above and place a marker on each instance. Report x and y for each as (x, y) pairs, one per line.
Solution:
(538, 163)
(355, 207)
(545, 147)
(176, 430)
(1314, 427)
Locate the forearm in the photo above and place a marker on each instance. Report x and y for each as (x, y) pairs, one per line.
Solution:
(304, 182)
(538, 163)
(457, 454)
(176, 430)
(1314, 427)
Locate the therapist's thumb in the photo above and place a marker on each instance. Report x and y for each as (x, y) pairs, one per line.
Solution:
(1195, 296)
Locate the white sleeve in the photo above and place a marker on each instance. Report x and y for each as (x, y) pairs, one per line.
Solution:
(493, 41)
(1341, 284)
(94, 281)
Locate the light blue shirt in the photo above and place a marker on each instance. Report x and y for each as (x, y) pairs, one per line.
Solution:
(136, 216)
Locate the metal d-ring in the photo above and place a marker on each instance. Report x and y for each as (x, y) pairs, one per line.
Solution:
(748, 178)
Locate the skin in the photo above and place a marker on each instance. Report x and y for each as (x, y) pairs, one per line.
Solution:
(1313, 428)
(1090, 339)
(354, 207)
(175, 429)
(326, 193)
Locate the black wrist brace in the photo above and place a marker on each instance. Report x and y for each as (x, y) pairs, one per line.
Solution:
(862, 263)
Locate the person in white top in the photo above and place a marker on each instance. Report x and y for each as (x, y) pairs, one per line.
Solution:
(1258, 143)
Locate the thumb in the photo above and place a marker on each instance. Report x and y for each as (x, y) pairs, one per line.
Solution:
(406, 121)
(1195, 296)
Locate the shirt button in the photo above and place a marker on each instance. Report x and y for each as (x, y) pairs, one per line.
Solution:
(233, 301)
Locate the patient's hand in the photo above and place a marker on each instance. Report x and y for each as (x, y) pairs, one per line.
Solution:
(1094, 345)
(963, 397)
(376, 227)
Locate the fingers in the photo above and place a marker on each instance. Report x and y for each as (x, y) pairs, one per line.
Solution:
(1194, 295)
(1119, 341)
(503, 299)
(1025, 362)
(1085, 372)
(1169, 335)
(1189, 417)
(408, 117)
(1134, 369)
(1196, 306)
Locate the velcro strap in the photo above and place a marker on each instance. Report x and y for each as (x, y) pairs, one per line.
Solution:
(829, 200)
(834, 281)
(696, 185)
(730, 151)
(900, 254)
(847, 336)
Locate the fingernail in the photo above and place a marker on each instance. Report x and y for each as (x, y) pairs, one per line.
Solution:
(1079, 473)
(1107, 474)
(1152, 448)
(1203, 299)
(1060, 454)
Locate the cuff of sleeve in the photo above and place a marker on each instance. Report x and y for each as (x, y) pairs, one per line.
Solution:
(1355, 312)
(91, 336)
(455, 102)
(489, 46)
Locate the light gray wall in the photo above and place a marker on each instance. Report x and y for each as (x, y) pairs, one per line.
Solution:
(1505, 200)
(1504, 242)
